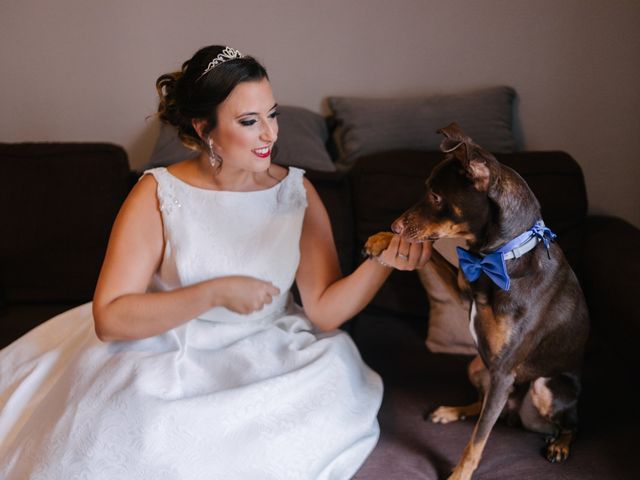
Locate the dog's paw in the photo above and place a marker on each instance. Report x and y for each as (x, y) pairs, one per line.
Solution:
(459, 474)
(557, 450)
(376, 244)
(446, 415)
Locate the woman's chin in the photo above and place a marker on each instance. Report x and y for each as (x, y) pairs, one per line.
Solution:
(262, 164)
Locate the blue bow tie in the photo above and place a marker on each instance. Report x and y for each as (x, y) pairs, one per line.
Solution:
(493, 264)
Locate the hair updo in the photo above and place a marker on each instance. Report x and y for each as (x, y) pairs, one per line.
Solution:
(188, 94)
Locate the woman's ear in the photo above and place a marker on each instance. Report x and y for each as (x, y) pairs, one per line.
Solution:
(199, 126)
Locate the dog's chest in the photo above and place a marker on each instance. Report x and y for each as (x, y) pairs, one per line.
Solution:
(490, 332)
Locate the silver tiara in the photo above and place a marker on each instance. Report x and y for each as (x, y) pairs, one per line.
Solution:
(227, 54)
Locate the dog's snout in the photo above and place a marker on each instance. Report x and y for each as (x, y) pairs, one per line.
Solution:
(397, 227)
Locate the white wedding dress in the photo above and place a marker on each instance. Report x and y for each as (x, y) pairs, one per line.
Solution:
(224, 396)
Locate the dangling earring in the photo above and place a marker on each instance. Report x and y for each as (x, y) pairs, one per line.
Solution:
(213, 157)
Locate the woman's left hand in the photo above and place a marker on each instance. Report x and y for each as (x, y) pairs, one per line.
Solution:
(404, 255)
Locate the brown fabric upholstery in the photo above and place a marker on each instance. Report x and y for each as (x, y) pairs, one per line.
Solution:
(611, 281)
(57, 204)
(334, 191)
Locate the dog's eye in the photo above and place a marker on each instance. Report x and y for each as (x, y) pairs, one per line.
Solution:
(435, 198)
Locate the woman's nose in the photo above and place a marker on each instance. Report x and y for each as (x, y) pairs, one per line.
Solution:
(269, 133)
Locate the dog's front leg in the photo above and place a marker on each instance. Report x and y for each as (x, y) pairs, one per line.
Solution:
(494, 402)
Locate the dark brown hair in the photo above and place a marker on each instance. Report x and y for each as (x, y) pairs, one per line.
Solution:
(188, 94)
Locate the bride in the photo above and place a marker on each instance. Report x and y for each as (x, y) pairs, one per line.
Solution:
(193, 362)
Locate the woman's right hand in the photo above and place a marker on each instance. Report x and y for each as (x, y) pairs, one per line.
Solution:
(245, 295)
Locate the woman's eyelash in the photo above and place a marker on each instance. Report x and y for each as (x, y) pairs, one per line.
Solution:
(249, 122)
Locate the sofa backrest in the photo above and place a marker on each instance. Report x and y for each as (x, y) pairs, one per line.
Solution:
(57, 205)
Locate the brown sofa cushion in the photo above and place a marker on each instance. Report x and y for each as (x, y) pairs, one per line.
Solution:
(54, 238)
(448, 316)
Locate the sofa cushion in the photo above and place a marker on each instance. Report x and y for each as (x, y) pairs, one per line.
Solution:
(302, 140)
(55, 237)
(386, 184)
(448, 318)
(371, 125)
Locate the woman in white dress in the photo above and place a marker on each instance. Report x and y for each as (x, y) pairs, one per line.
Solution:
(193, 362)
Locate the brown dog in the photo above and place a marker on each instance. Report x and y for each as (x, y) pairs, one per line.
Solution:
(528, 313)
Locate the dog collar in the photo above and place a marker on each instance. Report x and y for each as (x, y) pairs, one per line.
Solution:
(493, 264)
(527, 241)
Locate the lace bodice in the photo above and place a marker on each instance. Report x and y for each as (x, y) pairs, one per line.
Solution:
(210, 233)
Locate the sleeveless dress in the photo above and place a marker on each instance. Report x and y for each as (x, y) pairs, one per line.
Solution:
(223, 396)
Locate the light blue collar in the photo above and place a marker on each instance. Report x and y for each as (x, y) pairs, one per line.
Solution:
(493, 264)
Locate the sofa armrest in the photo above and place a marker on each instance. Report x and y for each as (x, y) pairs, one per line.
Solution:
(611, 282)
(57, 204)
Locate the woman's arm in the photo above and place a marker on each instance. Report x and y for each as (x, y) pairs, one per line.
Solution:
(328, 299)
(122, 308)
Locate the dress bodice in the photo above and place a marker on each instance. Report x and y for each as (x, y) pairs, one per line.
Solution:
(211, 233)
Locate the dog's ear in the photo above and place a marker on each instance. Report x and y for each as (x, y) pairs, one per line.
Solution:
(454, 138)
(452, 131)
(478, 168)
(456, 142)
(473, 158)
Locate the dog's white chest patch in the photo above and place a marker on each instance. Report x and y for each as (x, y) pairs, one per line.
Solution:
(472, 322)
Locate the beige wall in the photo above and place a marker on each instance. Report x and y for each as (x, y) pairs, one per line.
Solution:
(85, 71)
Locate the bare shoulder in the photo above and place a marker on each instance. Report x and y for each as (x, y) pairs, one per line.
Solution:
(142, 201)
(137, 230)
(145, 189)
(312, 194)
